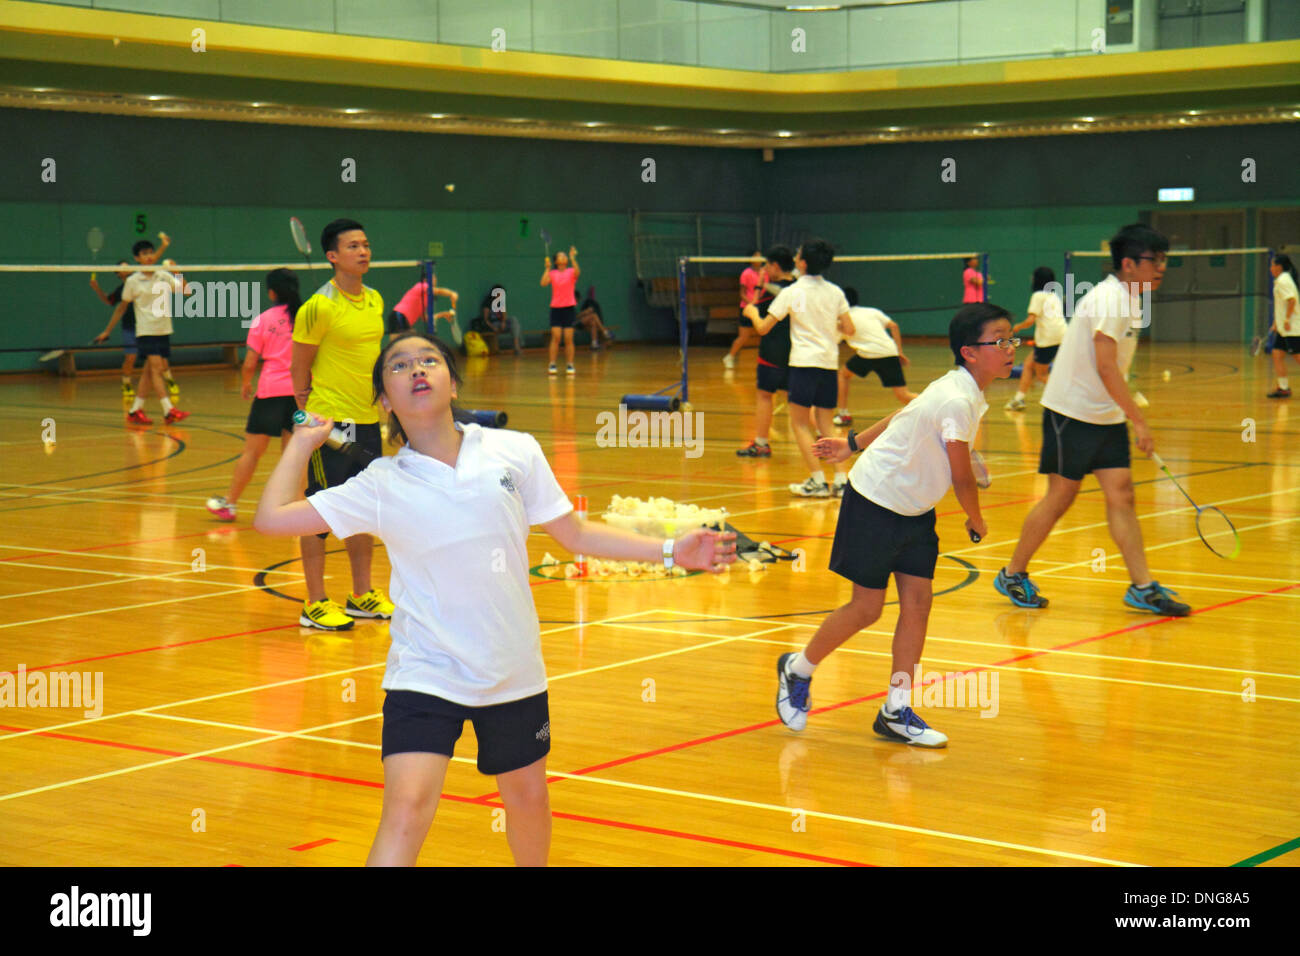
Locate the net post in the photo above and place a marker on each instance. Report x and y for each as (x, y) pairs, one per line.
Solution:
(1272, 253)
(682, 264)
(426, 274)
(984, 268)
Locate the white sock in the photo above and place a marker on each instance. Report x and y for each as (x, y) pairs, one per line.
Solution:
(844, 411)
(137, 404)
(1284, 382)
(841, 477)
(800, 665)
(167, 405)
(898, 699)
(1021, 395)
(760, 442)
(818, 478)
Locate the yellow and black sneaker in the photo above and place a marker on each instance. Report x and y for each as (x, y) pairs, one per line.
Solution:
(173, 390)
(325, 615)
(373, 603)
(128, 392)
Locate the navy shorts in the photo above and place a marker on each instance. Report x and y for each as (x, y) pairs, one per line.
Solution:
(889, 368)
(146, 345)
(1290, 344)
(1072, 448)
(562, 317)
(510, 735)
(872, 542)
(813, 387)
(773, 378)
(271, 415)
(1045, 354)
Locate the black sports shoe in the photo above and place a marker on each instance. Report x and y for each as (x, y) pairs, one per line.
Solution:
(1018, 587)
(1155, 598)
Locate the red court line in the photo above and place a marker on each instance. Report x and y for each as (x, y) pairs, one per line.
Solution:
(162, 647)
(477, 801)
(313, 844)
(973, 670)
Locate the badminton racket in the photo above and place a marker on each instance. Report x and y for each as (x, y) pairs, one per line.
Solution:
(94, 242)
(449, 316)
(300, 239)
(546, 238)
(1212, 525)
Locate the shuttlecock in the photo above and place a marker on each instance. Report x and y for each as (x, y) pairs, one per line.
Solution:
(450, 187)
(1166, 375)
(1140, 400)
(117, 41)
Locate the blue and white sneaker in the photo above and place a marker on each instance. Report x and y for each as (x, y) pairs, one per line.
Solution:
(792, 700)
(905, 727)
(1156, 599)
(1022, 591)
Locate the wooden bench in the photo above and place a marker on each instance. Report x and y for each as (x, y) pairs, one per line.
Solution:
(67, 367)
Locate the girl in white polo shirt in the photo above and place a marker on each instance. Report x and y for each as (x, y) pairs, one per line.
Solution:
(454, 506)
(886, 522)
(1048, 320)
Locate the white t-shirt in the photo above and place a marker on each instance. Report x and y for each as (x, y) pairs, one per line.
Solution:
(1284, 289)
(1049, 327)
(871, 338)
(906, 469)
(150, 293)
(1075, 388)
(814, 306)
(465, 628)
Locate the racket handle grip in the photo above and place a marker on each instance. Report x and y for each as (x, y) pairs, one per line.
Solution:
(975, 536)
(1160, 462)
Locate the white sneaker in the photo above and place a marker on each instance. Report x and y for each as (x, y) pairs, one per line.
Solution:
(729, 360)
(811, 489)
(570, 370)
(1016, 404)
(837, 488)
(792, 700)
(552, 370)
(905, 727)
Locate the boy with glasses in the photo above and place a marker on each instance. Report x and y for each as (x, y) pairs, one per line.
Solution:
(1086, 402)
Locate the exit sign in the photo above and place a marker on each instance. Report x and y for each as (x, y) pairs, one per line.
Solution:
(435, 250)
(1176, 194)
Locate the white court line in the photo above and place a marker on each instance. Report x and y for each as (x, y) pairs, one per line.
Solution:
(241, 589)
(688, 794)
(1027, 667)
(41, 552)
(127, 579)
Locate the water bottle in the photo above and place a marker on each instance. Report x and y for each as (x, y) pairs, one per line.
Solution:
(338, 437)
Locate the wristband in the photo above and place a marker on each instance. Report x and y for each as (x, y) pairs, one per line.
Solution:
(852, 435)
(669, 545)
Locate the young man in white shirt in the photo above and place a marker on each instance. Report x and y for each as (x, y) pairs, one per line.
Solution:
(1286, 322)
(879, 348)
(150, 293)
(886, 523)
(819, 315)
(1085, 405)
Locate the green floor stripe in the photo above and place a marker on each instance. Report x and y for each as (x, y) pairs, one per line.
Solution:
(1267, 855)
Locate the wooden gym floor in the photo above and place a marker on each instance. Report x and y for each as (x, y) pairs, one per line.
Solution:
(231, 736)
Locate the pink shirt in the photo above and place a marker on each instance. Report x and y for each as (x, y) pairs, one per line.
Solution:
(749, 280)
(413, 304)
(973, 292)
(562, 283)
(271, 336)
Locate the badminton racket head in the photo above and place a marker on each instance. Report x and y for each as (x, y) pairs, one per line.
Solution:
(299, 235)
(95, 240)
(982, 477)
(1256, 344)
(1217, 532)
(546, 236)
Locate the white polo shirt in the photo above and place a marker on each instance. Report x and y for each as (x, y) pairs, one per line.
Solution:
(1284, 289)
(871, 338)
(906, 469)
(465, 628)
(814, 306)
(1049, 327)
(150, 293)
(1074, 388)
